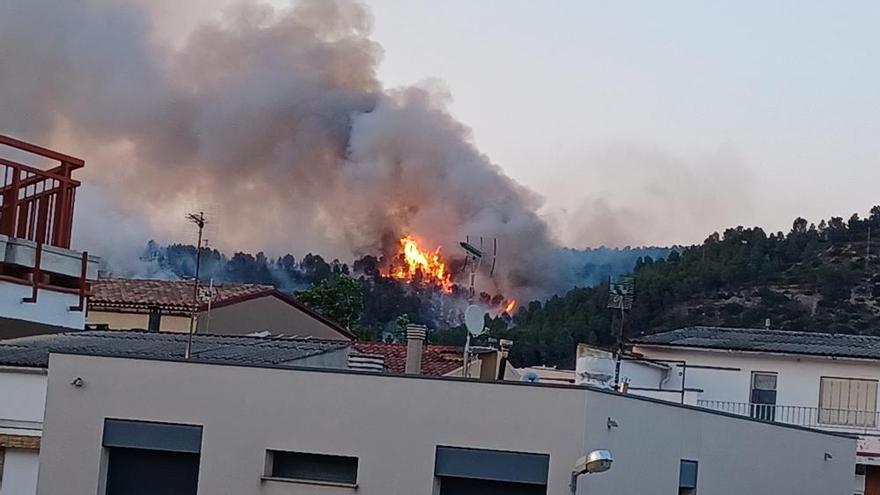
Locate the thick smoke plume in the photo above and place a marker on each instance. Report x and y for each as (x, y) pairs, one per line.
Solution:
(274, 118)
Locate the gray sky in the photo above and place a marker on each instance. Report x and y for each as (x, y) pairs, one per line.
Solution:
(647, 122)
(658, 122)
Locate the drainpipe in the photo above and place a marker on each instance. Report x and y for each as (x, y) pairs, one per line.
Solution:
(415, 344)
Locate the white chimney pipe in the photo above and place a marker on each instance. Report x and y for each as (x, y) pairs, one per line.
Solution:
(415, 343)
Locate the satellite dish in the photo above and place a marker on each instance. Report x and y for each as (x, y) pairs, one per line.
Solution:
(474, 319)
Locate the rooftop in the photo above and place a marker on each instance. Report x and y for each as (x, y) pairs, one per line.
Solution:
(215, 349)
(169, 295)
(437, 360)
(764, 340)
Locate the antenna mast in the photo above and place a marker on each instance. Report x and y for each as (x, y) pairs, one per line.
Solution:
(472, 260)
(199, 221)
(620, 296)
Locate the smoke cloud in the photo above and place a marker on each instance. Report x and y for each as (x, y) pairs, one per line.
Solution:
(273, 117)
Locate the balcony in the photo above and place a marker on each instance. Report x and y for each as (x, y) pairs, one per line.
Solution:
(37, 204)
(844, 420)
(37, 196)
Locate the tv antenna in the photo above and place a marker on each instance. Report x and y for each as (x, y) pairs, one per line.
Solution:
(475, 316)
(474, 257)
(197, 219)
(620, 296)
(475, 322)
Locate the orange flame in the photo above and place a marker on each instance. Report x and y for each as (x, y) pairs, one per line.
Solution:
(418, 259)
(510, 306)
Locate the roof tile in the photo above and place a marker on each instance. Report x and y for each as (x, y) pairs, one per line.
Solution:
(764, 340)
(225, 349)
(437, 360)
(165, 294)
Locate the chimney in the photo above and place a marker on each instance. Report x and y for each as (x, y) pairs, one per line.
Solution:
(415, 342)
(493, 364)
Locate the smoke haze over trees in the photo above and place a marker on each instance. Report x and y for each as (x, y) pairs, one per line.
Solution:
(274, 118)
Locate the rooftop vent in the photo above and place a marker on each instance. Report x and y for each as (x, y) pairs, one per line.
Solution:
(366, 362)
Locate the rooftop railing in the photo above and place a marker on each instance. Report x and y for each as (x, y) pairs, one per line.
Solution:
(812, 417)
(37, 204)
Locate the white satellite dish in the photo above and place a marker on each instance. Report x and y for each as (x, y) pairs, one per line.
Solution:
(474, 319)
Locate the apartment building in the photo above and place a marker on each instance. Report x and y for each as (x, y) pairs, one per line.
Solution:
(816, 380)
(24, 373)
(133, 425)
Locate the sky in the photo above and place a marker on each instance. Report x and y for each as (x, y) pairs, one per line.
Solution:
(644, 122)
(713, 113)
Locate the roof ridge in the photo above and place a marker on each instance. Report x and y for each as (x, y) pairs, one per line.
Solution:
(771, 330)
(141, 331)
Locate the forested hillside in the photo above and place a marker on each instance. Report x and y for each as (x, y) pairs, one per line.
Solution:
(814, 278)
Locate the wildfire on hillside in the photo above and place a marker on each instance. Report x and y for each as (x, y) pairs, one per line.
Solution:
(415, 263)
(510, 306)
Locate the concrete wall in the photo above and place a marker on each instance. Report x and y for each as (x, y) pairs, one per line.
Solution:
(265, 313)
(22, 402)
(393, 425)
(22, 394)
(19, 472)
(51, 308)
(128, 321)
(735, 456)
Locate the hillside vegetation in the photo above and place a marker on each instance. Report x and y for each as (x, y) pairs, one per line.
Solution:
(813, 278)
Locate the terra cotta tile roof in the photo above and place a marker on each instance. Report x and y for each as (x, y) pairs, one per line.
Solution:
(168, 295)
(437, 360)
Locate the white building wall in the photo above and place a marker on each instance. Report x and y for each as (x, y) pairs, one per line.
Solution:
(20, 468)
(797, 377)
(22, 394)
(797, 384)
(51, 308)
(22, 404)
(394, 423)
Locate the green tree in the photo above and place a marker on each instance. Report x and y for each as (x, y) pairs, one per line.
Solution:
(340, 298)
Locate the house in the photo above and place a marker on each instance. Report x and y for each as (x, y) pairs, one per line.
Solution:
(223, 308)
(43, 282)
(23, 378)
(135, 425)
(817, 380)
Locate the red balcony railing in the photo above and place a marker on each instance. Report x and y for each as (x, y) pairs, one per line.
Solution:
(37, 204)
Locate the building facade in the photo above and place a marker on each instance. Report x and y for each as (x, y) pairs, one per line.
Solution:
(816, 380)
(308, 431)
(221, 309)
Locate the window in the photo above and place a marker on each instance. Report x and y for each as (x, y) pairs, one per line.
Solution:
(470, 471)
(847, 401)
(687, 477)
(155, 320)
(763, 396)
(301, 466)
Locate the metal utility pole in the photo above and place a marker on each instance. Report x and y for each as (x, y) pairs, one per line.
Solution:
(868, 251)
(199, 221)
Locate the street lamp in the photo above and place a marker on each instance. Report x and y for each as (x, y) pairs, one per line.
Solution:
(597, 461)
